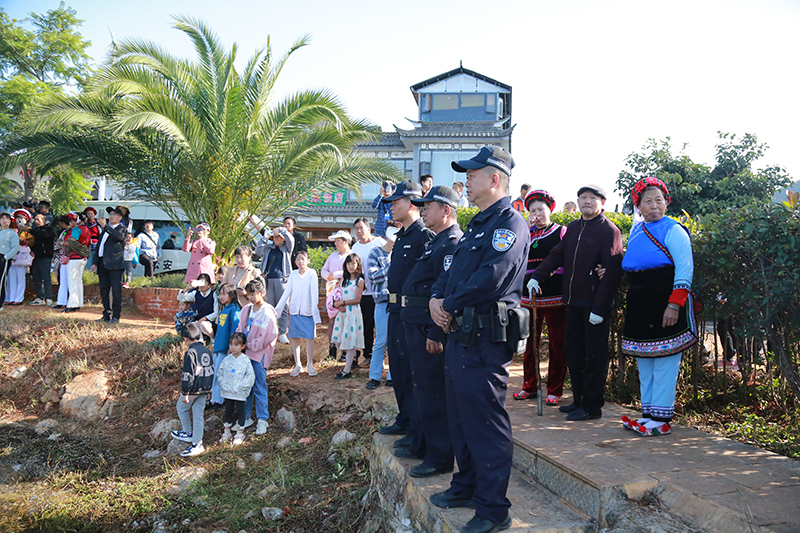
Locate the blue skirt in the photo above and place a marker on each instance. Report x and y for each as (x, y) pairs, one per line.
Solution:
(301, 327)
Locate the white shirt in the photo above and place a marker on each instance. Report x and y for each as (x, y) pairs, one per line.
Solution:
(302, 293)
(462, 201)
(103, 241)
(363, 250)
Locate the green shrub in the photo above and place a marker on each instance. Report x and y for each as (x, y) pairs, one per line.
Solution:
(90, 278)
(169, 281)
(318, 256)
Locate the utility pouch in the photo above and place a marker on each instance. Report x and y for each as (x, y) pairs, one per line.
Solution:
(499, 322)
(467, 327)
(519, 329)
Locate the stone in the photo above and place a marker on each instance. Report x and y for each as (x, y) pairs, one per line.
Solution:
(151, 454)
(51, 396)
(212, 422)
(343, 418)
(85, 396)
(284, 442)
(305, 441)
(240, 464)
(163, 428)
(341, 437)
(249, 515)
(18, 372)
(54, 436)
(380, 406)
(272, 513)
(175, 447)
(285, 420)
(181, 479)
(45, 425)
(258, 457)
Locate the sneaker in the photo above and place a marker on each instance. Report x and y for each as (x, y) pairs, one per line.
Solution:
(311, 372)
(126, 286)
(181, 435)
(238, 438)
(296, 371)
(194, 449)
(261, 428)
(249, 422)
(113, 320)
(227, 435)
(49, 303)
(343, 375)
(373, 384)
(37, 301)
(283, 339)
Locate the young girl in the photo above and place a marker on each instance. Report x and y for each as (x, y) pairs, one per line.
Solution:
(227, 322)
(348, 328)
(302, 293)
(236, 379)
(259, 323)
(130, 257)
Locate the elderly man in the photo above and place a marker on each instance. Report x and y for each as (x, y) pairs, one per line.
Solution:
(275, 250)
(590, 241)
(484, 281)
(107, 261)
(365, 242)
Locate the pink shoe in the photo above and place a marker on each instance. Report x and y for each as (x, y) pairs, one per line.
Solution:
(552, 400)
(644, 431)
(628, 423)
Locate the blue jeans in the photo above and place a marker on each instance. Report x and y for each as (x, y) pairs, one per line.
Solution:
(216, 394)
(379, 348)
(259, 393)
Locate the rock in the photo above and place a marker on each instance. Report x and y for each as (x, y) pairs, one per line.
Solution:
(284, 442)
(257, 457)
(85, 396)
(163, 428)
(45, 425)
(285, 420)
(240, 464)
(175, 447)
(220, 531)
(305, 441)
(330, 400)
(51, 396)
(341, 437)
(249, 515)
(151, 454)
(54, 436)
(343, 418)
(212, 422)
(18, 372)
(182, 478)
(272, 513)
(380, 406)
(263, 493)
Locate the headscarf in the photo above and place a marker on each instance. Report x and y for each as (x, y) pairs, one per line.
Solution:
(643, 184)
(540, 196)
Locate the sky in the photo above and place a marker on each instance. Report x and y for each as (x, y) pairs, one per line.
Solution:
(592, 80)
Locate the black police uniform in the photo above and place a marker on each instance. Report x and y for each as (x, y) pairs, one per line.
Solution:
(488, 267)
(427, 369)
(410, 245)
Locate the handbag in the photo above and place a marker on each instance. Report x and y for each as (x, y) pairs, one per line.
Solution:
(24, 257)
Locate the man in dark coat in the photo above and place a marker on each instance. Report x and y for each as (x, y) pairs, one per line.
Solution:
(108, 262)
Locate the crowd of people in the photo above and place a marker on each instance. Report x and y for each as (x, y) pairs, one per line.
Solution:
(448, 307)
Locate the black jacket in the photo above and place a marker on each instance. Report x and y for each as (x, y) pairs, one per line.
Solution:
(43, 240)
(198, 370)
(113, 248)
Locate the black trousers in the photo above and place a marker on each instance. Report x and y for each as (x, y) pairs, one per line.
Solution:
(148, 265)
(234, 406)
(40, 270)
(586, 347)
(110, 290)
(427, 374)
(3, 277)
(401, 373)
(368, 312)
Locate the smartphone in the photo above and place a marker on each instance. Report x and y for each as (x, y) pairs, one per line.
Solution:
(197, 283)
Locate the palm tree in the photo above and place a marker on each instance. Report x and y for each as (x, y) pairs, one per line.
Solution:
(202, 136)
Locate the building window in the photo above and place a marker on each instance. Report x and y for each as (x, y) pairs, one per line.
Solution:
(458, 107)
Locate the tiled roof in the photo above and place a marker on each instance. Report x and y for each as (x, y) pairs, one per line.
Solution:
(460, 70)
(388, 139)
(457, 129)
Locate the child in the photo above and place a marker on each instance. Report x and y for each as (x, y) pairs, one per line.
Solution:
(302, 293)
(130, 256)
(348, 329)
(259, 323)
(185, 314)
(235, 379)
(196, 380)
(227, 322)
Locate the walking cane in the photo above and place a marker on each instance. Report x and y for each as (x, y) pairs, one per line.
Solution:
(539, 406)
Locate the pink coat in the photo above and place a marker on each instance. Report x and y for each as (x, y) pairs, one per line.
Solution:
(202, 259)
(263, 333)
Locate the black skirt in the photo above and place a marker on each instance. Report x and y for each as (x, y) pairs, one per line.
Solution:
(648, 296)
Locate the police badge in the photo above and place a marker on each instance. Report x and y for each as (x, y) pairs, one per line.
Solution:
(448, 260)
(503, 239)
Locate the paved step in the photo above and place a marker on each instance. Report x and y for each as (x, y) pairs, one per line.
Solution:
(535, 509)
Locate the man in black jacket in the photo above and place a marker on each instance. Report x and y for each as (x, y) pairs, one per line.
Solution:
(43, 238)
(109, 264)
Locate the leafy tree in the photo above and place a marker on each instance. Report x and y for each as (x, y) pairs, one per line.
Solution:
(67, 190)
(203, 135)
(699, 189)
(36, 65)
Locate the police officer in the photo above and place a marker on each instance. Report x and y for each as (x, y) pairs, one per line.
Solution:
(425, 339)
(468, 299)
(410, 245)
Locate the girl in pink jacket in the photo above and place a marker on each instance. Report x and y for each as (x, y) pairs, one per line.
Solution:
(259, 323)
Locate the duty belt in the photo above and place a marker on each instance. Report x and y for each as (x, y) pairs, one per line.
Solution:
(414, 301)
(393, 297)
(482, 321)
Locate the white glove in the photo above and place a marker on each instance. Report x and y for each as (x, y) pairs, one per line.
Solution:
(595, 319)
(533, 287)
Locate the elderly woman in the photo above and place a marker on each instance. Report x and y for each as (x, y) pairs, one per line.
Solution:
(240, 274)
(659, 320)
(545, 235)
(202, 249)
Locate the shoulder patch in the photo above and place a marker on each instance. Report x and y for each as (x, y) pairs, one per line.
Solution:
(503, 239)
(448, 260)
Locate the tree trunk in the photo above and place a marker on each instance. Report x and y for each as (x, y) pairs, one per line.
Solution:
(29, 179)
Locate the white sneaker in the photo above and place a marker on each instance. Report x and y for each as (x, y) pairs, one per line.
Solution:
(226, 436)
(49, 303)
(194, 449)
(311, 372)
(37, 301)
(247, 423)
(283, 338)
(296, 371)
(262, 426)
(238, 438)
